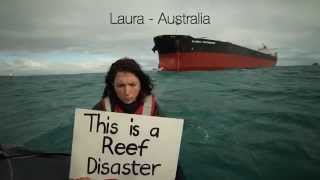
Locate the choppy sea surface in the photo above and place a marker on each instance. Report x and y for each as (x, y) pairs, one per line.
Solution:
(239, 124)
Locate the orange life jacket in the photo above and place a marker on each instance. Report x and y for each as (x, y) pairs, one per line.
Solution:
(146, 108)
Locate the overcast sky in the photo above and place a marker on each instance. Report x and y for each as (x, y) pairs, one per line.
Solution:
(75, 36)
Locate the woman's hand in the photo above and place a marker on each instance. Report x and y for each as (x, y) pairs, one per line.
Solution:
(82, 178)
(87, 178)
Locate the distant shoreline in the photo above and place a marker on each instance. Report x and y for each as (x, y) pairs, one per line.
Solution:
(147, 70)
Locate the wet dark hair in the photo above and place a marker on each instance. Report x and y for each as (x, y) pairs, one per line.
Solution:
(127, 65)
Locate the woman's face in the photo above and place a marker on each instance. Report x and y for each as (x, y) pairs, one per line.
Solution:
(127, 86)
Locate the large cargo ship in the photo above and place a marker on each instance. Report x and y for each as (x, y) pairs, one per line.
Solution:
(185, 53)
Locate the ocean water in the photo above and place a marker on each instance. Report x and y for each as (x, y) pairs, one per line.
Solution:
(239, 124)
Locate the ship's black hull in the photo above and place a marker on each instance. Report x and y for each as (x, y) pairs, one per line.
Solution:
(179, 52)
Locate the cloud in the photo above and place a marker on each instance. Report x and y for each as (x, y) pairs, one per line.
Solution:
(29, 67)
(29, 64)
(82, 26)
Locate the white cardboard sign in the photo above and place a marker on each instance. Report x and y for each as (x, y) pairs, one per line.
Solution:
(108, 145)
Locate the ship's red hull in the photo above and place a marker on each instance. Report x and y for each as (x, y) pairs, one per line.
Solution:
(187, 61)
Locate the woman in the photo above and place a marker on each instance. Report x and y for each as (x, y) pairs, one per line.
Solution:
(128, 90)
